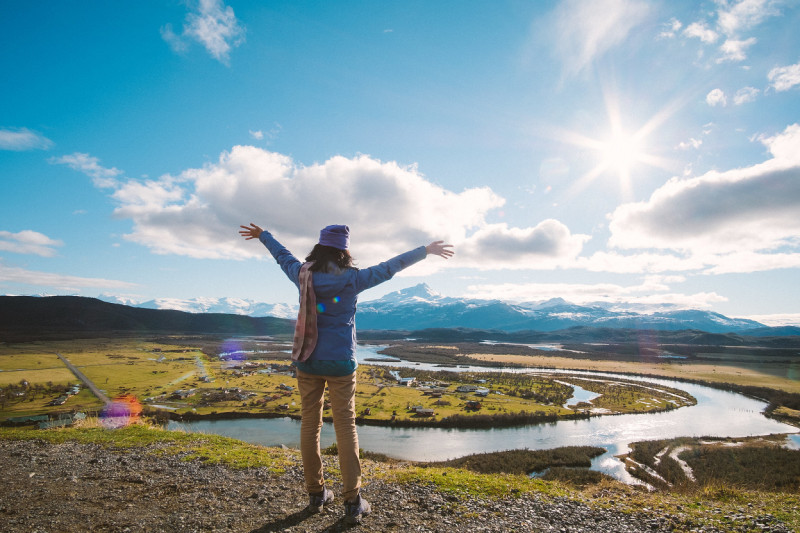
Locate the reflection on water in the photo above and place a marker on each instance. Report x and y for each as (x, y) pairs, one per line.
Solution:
(717, 414)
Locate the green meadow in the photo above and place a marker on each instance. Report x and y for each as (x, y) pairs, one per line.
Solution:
(190, 377)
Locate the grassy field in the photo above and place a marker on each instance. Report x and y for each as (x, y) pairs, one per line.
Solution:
(192, 378)
(780, 375)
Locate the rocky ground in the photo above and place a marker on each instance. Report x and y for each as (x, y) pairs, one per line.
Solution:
(80, 487)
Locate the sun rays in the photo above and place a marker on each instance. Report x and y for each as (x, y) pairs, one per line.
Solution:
(618, 150)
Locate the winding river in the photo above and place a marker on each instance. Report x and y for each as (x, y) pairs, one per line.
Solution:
(717, 414)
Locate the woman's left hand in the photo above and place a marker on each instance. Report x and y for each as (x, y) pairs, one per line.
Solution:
(250, 232)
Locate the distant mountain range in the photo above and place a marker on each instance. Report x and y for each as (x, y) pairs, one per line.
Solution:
(419, 307)
(412, 313)
(26, 317)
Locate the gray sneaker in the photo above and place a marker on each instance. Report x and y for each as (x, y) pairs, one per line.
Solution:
(354, 511)
(317, 502)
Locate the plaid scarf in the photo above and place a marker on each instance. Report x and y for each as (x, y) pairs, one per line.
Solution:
(305, 330)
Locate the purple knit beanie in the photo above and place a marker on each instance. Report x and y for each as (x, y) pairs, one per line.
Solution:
(335, 236)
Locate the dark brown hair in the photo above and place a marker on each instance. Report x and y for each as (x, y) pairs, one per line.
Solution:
(322, 255)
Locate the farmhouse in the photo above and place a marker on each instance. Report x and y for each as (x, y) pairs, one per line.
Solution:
(406, 382)
(421, 410)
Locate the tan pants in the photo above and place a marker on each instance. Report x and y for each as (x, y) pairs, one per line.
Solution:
(342, 394)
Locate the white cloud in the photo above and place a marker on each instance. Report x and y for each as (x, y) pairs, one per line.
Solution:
(62, 282)
(691, 143)
(389, 209)
(784, 78)
(716, 97)
(548, 245)
(745, 95)
(750, 261)
(638, 262)
(257, 134)
(740, 220)
(584, 31)
(734, 49)
(101, 176)
(701, 31)
(212, 24)
(28, 242)
(734, 17)
(650, 291)
(774, 320)
(671, 28)
(23, 139)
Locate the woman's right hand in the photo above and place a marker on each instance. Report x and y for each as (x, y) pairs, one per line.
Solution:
(440, 249)
(250, 232)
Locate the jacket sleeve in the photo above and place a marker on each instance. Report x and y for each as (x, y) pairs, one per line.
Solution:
(369, 277)
(288, 263)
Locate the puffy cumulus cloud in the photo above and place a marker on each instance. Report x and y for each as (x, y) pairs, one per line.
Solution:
(716, 97)
(740, 220)
(581, 32)
(210, 23)
(23, 139)
(28, 242)
(101, 176)
(784, 78)
(57, 281)
(547, 245)
(389, 208)
(651, 292)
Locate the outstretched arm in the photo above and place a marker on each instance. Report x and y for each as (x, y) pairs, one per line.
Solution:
(250, 232)
(369, 277)
(289, 263)
(440, 249)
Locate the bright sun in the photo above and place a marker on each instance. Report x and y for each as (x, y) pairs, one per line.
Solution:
(620, 152)
(619, 155)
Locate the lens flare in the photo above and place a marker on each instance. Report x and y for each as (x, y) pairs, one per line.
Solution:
(231, 353)
(231, 349)
(121, 412)
(336, 299)
(320, 307)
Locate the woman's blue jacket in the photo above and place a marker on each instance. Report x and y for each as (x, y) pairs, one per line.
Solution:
(337, 297)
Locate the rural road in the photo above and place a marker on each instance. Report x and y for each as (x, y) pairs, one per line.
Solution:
(86, 381)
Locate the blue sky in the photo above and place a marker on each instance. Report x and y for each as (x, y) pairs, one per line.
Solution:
(625, 151)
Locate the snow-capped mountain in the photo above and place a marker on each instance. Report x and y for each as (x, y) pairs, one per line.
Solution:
(420, 307)
(233, 306)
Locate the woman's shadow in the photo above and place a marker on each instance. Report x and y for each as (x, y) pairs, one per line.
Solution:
(296, 518)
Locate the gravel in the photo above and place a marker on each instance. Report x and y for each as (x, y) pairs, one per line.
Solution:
(74, 487)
